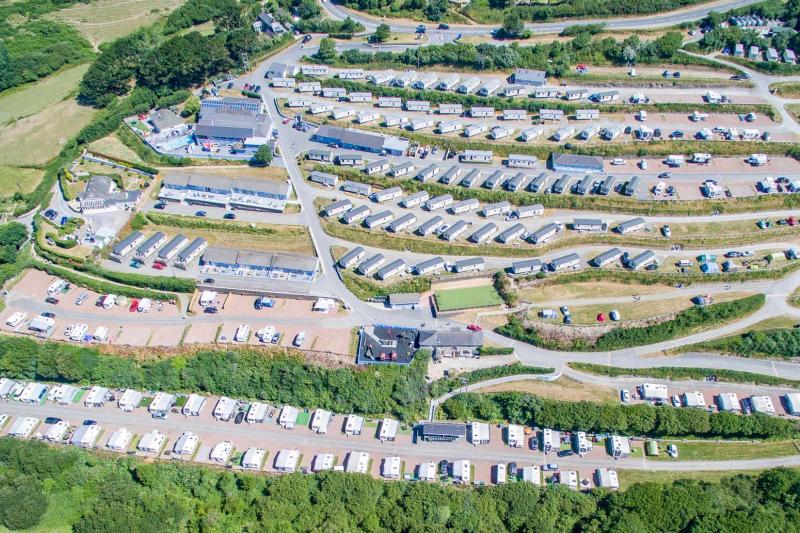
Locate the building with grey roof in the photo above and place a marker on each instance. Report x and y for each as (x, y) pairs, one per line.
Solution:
(355, 187)
(430, 226)
(316, 154)
(337, 208)
(455, 230)
(529, 77)
(164, 120)
(352, 257)
(392, 269)
(510, 234)
(188, 254)
(356, 214)
(606, 257)
(171, 249)
(405, 221)
(576, 163)
(324, 178)
(451, 343)
(149, 246)
(527, 266)
(544, 234)
(126, 245)
(641, 260)
(353, 139)
(372, 264)
(566, 262)
(277, 265)
(471, 264)
(101, 195)
(628, 226)
(429, 266)
(484, 233)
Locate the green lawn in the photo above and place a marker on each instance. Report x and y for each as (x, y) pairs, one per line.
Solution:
(630, 477)
(30, 99)
(727, 451)
(467, 298)
(303, 418)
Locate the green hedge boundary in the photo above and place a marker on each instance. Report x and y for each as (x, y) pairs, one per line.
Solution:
(444, 385)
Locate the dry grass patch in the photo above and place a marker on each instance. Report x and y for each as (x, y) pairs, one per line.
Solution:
(563, 388)
(574, 291)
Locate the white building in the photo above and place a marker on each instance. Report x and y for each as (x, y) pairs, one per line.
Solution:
(194, 405)
(607, 478)
(476, 156)
(619, 446)
(186, 444)
(522, 161)
(253, 458)
(23, 427)
(515, 436)
(499, 473)
(729, 402)
(762, 404)
(96, 397)
(426, 472)
(388, 430)
(161, 404)
(532, 474)
(33, 393)
(119, 440)
(62, 394)
(654, 391)
(694, 399)
(462, 472)
(322, 461)
(390, 467)
(152, 442)
(224, 409)
(354, 425)
(257, 412)
(478, 433)
(320, 421)
(221, 452)
(56, 431)
(129, 400)
(568, 478)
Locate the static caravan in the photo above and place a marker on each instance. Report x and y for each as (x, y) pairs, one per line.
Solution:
(481, 112)
(609, 134)
(465, 206)
(402, 169)
(564, 133)
(514, 232)
(567, 262)
(606, 258)
(390, 101)
(342, 112)
(380, 78)
(468, 85)
(405, 79)
(439, 202)
(318, 109)
(455, 231)
(605, 97)
(402, 223)
(522, 161)
(587, 114)
(430, 226)
(316, 154)
(383, 217)
(576, 94)
(398, 266)
(417, 124)
(527, 211)
(426, 81)
(494, 180)
(448, 82)
(469, 265)
(592, 225)
(386, 195)
(427, 173)
(484, 233)
(544, 234)
(351, 74)
(375, 167)
(470, 179)
(498, 208)
(531, 134)
(545, 92)
(334, 92)
(365, 117)
(299, 102)
(607, 186)
(551, 114)
(450, 109)
(283, 82)
(430, 266)
(395, 120)
(514, 114)
(414, 200)
(418, 105)
(527, 266)
(360, 97)
(588, 133)
(635, 224)
(584, 185)
(560, 185)
(451, 175)
(337, 208)
(513, 90)
(448, 127)
(488, 88)
(350, 160)
(475, 129)
(355, 214)
(372, 264)
(641, 260)
(632, 186)
(517, 182)
(501, 132)
(476, 156)
(352, 257)
(314, 70)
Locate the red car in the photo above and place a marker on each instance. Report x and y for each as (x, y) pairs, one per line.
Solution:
(474, 327)
(159, 265)
(792, 221)
(134, 305)
(286, 120)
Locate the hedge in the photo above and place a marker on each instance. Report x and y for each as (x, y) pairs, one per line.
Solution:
(99, 286)
(444, 385)
(762, 343)
(365, 289)
(676, 373)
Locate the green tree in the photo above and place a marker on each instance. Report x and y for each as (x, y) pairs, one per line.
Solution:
(513, 25)
(263, 155)
(22, 502)
(327, 50)
(191, 106)
(436, 9)
(382, 34)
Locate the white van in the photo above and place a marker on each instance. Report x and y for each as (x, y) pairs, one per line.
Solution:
(144, 305)
(643, 164)
(299, 339)
(684, 263)
(642, 116)
(109, 300)
(659, 188)
(16, 319)
(56, 287)
(618, 161)
(242, 333)
(78, 332)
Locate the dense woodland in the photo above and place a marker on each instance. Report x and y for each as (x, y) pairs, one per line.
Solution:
(635, 420)
(55, 488)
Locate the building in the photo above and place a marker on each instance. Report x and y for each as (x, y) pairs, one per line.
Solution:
(405, 300)
(514, 114)
(194, 406)
(356, 463)
(129, 400)
(522, 161)
(481, 112)
(233, 193)
(566, 262)
(186, 444)
(33, 393)
(606, 478)
(605, 188)
(320, 421)
(472, 264)
(418, 105)
(484, 233)
(468, 85)
(618, 447)
(354, 425)
(232, 121)
(728, 402)
(126, 245)
(425, 81)
(454, 232)
(23, 427)
(152, 442)
(351, 74)
(517, 182)
(354, 187)
(101, 195)
(368, 267)
(402, 169)
(171, 249)
(164, 120)
(515, 436)
(592, 225)
(576, 94)
(314, 70)
(257, 412)
(352, 257)
(439, 202)
(288, 417)
(465, 206)
(441, 431)
(415, 199)
(378, 218)
(149, 247)
(475, 129)
(478, 433)
(476, 156)
(253, 458)
(266, 23)
(96, 397)
(283, 83)
(583, 186)
(551, 114)
(56, 431)
(451, 343)
(488, 88)
(388, 430)
(188, 254)
(528, 77)
(450, 109)
(576, 163)
(390, 467)
(429, 226)
(528, 266)
(349, 160)
(402, 223)
(360, 140)
(360, 97)
(161, 404)
(381, 165)
(462, 472)
(568, 478)
(560, 184)
(387, 344)
(587, 114)
(221, 452)
(427, 173)
(386, 194)
(532, 474)
(792, 400)
(390, 102)
(391, 270)
(277, 266)
(322, 461)
(606, 258)
(545, 233)
(654, 392)
(281, 70)
(527, 211)
(497, 208)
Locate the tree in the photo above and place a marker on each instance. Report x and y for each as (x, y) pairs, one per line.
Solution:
(436, 9)
(308, 9)
(513, 25)
(327, 50)
(381, 34)
(191, 106)
(263, 155)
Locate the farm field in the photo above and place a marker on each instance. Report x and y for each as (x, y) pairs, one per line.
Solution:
(466, 298)
(112, 146)
(106, 20)
(30, 99)
(15, 179)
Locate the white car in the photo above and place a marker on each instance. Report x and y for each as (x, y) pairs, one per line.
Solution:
(299, 339)
(676, 401)
(625, 396)
(666, 231)
(672, 450)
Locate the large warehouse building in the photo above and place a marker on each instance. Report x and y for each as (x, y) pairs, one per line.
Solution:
(361, 140)
(232, 121)
(218, 191)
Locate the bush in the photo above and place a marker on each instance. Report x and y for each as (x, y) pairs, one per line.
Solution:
(366, 289)
(683, 324)
(765, 343)
(636, 420)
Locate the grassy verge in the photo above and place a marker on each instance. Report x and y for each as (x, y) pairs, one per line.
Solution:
(366, 289)
(613, 204)
(685, 323)
(675, 373)
(445, 385)
(728, 451)
(787, 89)
(782, 342)
(627, 477)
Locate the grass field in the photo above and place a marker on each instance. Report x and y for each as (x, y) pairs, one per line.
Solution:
(563, 388)
(572, 291)
(728, 451)
(241, 171)
(111, 145)
(30, 99)
(105, 20)
(630, 477)
(13, 179)
(466, 298)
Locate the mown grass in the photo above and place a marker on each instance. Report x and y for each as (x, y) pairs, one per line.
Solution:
(728, 451)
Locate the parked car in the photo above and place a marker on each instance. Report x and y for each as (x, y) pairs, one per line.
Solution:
(474, 327)
(614, 314)
(444, 26)
(672, 450)
(229, 216)
(160, 205)
(512, 469)
(666, 231)
(51, 300)
(200, 213)
(306, 39)
(550, 466)
(625, 395)
(210, 310)
(80, 299)
(239, 417)
(159, 265)
(443, 467)
(676, 400)
(49, 314)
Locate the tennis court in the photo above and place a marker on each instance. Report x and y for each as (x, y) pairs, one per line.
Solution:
(467, 298)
